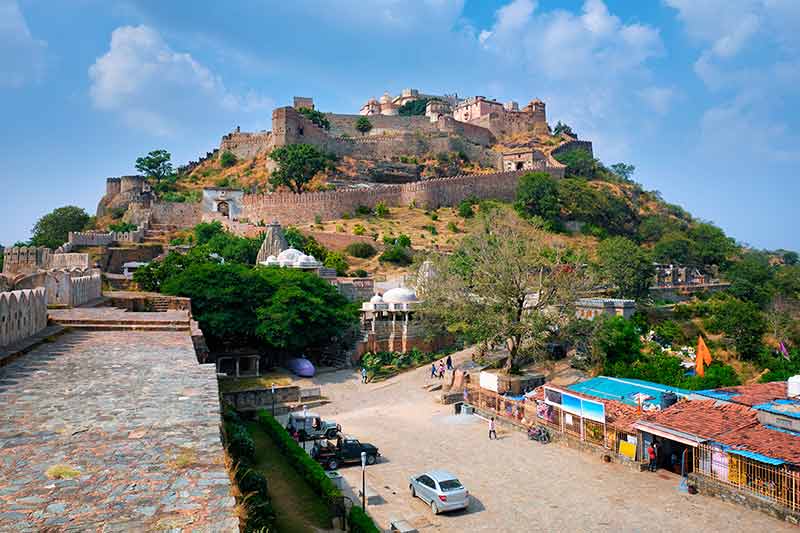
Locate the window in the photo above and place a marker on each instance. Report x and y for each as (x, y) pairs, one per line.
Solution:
(450, 485)
(428, 482)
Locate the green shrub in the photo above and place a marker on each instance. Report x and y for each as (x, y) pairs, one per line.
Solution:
(260, 514)
(304, 465)
(451, 226)
(361, 249)
(317, 117)
(381, 210)
(339, 228)
(122, 227)
(251, 480)
(431, 229)
(434, 216)
(360, 522)
(358, 229)
(240, 444)
(363, 211)
(336, 261)
(359, 273)
(397, 254)
(227, 159)
(117, 212)
(465, 209)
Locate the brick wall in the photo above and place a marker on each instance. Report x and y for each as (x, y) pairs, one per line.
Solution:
(22, 314)
(290, 208)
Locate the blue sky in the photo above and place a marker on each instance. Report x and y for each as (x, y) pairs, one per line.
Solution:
(700, 95)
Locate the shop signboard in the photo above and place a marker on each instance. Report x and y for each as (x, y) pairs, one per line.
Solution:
(575, 405)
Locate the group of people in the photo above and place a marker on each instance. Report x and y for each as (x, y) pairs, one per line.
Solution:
(438, 371)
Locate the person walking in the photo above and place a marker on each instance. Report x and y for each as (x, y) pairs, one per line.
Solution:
(433, 370)
(449, 363)
(441, 369)
(492, 431)
(363, 374)
(651, 454)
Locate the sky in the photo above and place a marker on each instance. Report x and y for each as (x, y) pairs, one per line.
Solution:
(700, 95)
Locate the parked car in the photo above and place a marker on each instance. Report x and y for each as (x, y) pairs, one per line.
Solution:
(301, 366)
(439, 489)
(311, 426)
(332, 454)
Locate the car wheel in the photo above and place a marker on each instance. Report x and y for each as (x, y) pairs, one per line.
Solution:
(332, 464)
(413, 492)
(371, 459)
(434, 508)
(332, 434)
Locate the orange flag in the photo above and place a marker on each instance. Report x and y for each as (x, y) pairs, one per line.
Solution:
(703, 356)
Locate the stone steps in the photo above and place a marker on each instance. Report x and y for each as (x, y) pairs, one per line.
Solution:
(91, 326)
(77, 322)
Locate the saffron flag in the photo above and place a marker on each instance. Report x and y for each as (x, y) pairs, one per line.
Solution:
(784, 351)
(703, 357)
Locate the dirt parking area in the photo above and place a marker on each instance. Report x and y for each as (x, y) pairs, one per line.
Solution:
(516, 484)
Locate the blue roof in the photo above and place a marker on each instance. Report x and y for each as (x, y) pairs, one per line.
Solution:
(624, 389)
(783, 406)
(752, 455)
(718, 394)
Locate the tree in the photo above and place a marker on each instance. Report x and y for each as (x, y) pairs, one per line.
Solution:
(155, 165)
(537, 195)
(710, 245)
(413, 108)
(616, 341)
(790, 258)
(504, 285)
(563, 128)
(227, 159)
(52, 230)
(316, 117)
(297, 165)
(623, 170)
(743, 322)
(751, 278)
(363, 125)
(337, 261)
(579, 163)
(673, 247)
(625, 266)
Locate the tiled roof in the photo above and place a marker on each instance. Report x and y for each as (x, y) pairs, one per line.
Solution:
(705, 418)
(758, 438)
(751, 395)
(618, 414)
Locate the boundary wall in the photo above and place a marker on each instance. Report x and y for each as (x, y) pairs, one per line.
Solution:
(22, 314)
(69, 261)
(73, 288)
(291, 208)
(25, 259)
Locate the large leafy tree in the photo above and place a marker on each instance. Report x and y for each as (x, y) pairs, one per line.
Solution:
(297, 165)
(710, 245)
(742, 322)
(155, 165)
(673, 247)
(52, 230)
(537, 195)
(580, 163)
(623, 170)
(504, 285)
(751, 278)
(626, 266)
(564, 128)
(363, 125)
(413, 108)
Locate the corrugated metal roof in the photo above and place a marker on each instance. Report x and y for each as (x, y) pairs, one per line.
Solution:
(624, 389)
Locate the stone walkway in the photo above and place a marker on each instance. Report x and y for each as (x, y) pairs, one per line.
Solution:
(133, 417)
(516, 484)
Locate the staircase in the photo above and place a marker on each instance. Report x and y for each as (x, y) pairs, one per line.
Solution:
(159, 304)
(159, 233)
(109, 319)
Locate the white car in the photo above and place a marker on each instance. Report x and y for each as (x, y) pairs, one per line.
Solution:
(439, 489)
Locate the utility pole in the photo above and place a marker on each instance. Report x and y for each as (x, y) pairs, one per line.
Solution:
(364, 480)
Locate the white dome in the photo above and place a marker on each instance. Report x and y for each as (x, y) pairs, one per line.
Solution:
(376, 299)
(290, 255)
(399, 295)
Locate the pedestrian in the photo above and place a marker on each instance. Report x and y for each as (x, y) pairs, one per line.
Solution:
(433, 370)
(363, 374)
(449, 363)
(492, 432)
(651, 453)
(441, 369)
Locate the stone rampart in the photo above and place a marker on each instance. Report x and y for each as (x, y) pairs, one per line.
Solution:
(22, 314)
(25, 259)
(90, 238)
(572, 145)
(290, 208)
(73, 288)
(69, 261)
(182, 215)
(342, 124)
(246, 145)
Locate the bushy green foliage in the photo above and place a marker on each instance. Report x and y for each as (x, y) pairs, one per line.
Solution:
(359, 229)
(616, 342)
(626, 266)
(155, 165)
(360, 522)
(305, 243)
(780, 369)
(381, 211)
(580, 163)
(52, 230)
(710, 244)
(240, 443)
(667, 370)
(359, 273)
(397, 254)
(563, 128)
(336, 261)
(361, 249)
(751, 278)
(623, 170)
(413, 108)
(673, 247)
(743, 322)
(378, 362)
(317, 117)
(303, 464)
(227, 159)
(122, 227)
(537, 195)
(465, 209)
(363, 125)
(363, 211)
(297, 165)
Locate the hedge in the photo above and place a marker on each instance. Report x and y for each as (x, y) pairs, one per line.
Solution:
(308, 468)
(360, 522)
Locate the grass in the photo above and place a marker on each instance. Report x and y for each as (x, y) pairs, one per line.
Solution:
(297, 507)
(186, 457)
(61, 471)
(229, 384)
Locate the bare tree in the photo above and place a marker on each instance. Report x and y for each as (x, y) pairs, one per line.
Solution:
(505, 284)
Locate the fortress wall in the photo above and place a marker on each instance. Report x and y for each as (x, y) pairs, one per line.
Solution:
(22, 314)
(290, 208)
(244, 145)
(471, 132)
(572, 145)
(346, 124)
(182, 215)
(89, 238)
(69, 260)
(73, 288)
(25, 259)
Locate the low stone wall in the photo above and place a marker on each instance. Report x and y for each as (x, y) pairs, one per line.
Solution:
(290, 208)
(89, 238)
(69, 260)
(254, 400)
(73, 288)
(22, 314)
(723, 491)
(116, 257)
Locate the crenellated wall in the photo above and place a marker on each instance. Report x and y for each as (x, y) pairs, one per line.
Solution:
(73, 287)
(290, 208)
(22, 314)
(69, 260)
(25, 259)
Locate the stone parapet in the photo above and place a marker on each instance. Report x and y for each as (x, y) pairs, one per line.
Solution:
(22, 314)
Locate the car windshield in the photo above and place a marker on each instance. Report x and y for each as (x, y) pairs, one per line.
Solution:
(450, 484)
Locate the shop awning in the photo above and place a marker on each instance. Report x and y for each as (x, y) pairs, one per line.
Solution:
(669, 433)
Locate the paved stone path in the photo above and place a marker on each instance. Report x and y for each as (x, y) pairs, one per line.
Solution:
(517, 485)
(134, 415)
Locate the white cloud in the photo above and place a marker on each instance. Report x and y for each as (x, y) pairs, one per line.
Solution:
(659, 99)
(21, 55)
(157, 89)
